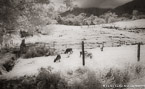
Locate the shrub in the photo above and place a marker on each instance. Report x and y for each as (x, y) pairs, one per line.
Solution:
(31, 52)
(38, 51)
(99, 21)
(92, 82)
(18, 83)
(121, 78)
(73, 20)
(25, 34)
(141, 16)
(116, 77)
(136, 70)
(87, 80)
(44, 80)
(9, 65)
(81, 70)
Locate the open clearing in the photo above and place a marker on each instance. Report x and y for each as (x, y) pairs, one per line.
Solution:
(115, 55)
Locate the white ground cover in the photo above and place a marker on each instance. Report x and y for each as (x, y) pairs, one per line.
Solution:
(129, 24)
(111, 57)
(62, 37)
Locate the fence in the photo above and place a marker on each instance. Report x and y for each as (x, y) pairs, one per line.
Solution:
(103, 44)
(83, 53)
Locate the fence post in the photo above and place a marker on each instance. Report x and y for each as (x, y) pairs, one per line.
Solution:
(53, 44)
(138, 52)
(83, 53)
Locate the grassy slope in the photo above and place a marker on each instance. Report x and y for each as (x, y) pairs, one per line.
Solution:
(71, 36)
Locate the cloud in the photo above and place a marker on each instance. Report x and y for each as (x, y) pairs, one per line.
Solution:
(101, 3)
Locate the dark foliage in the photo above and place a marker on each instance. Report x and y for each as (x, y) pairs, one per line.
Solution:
(10, 64)
(25, 34)
(44, 80)
(88, 11)
(130, 6)
(38, 51)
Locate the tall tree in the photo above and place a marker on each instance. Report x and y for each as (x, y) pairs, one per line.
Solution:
(69, 4)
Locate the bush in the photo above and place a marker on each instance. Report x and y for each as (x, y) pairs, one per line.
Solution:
(9, 65)
(47, 80)
(82, 19)
(38, 51)
(136, 71)
(99, 21)
(81, 71)
(25, 34)
(116, 77)
(18, 83)
(44, 80)
(92, 82)
(73, 20)
(141, 16)
(85, 79)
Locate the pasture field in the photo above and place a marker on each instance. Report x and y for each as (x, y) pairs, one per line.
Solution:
(120, 51)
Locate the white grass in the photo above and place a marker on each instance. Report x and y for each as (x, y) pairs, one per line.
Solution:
(71, 36)
(129, 24)
(111, 57)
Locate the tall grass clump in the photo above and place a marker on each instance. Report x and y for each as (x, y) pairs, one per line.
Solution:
(81, 78)
(47, 80)
(38, 51)
(136, 70)
(85, 79)
(44, 80)
(92, 81)
(116, 79)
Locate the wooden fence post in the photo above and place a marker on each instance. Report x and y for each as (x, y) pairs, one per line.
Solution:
(83, 53)
(138, 52)
(53, 44)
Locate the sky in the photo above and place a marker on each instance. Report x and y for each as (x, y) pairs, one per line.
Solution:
(101, 3)
(98, 3)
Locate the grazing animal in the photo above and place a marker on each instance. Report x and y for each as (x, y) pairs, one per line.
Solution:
(68, 50)
(58, 57)
(89, 55)
(81, 53)
(86, 54)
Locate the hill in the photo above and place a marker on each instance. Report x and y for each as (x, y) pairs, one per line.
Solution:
(130, 6)
(88, 11)
(126, 8)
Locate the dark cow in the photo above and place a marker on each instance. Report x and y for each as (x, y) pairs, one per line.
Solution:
(58, 57)
(81, 53)
(86, 54)
(68, 50)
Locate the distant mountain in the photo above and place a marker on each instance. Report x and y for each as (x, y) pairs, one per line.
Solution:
(88, 11)
(123, 9)
(130, 6)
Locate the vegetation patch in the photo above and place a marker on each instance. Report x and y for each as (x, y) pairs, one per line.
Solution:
(38, 51)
